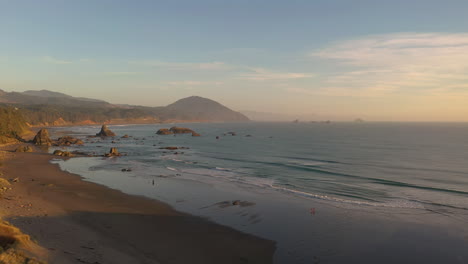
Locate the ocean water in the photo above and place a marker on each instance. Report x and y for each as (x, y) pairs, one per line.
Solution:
(326, 193)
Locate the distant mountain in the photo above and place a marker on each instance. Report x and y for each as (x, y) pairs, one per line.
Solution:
(46, 93)
(200, 109)
(49, 98)
(51, 94)
(53, 108)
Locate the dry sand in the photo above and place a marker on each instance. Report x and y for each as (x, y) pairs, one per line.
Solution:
(82, 222)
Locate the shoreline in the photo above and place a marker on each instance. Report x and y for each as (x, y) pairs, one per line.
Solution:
(83, 222)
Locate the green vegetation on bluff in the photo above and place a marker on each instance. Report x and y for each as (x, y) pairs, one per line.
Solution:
(12, 124)
(48, 114)
(46, 108)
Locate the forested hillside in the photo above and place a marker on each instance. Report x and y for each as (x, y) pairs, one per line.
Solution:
(12, 124)
(47, 108)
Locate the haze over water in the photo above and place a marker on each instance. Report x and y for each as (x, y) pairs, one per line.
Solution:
(295, 176)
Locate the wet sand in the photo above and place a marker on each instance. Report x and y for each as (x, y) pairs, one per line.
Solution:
(82, 222)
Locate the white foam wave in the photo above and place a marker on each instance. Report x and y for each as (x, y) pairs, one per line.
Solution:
(308, 163)
(391, 204)
(231, 176)
(172, 169)
(223, 169)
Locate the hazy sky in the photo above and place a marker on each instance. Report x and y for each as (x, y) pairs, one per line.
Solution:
(377, 60)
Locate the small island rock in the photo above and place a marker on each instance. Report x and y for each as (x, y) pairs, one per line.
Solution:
(177, 130)
(105, 132)
(67, 141)
(164, 131)
(113, 152)
(181, 130)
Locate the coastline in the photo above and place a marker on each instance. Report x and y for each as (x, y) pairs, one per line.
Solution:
(83, 222)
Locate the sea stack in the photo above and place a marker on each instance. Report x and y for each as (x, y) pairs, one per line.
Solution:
(113, 152)
(42, 138)
(105, 132)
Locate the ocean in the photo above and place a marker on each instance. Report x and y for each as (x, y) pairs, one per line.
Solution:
(325, 192)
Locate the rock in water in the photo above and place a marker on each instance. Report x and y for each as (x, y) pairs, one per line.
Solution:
(164, 131)
(42, 138)
(67, 141)
(177, 130)
(113, 153)
(63, 153)
(181, 130)
(105, 132)
(169, 148)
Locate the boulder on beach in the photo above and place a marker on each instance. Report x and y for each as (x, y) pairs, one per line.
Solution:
(24, 149)
(164, 131)
(62, 153)
(105, 132)
(42, 138)
(67, 154)
(125, 136)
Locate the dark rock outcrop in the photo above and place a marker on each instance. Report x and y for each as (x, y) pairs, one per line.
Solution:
(177, 130)
(164, 131)
(63, 153)
(181, 130)
(42, 138)
(169, 148)
(113, 152)
(67, 141)
(105, 132)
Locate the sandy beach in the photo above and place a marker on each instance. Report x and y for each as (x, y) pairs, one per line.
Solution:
(75, 221)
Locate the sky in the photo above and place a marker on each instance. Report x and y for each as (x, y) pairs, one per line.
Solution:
(378, 60)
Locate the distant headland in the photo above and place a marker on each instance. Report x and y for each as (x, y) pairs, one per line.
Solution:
(47, 108)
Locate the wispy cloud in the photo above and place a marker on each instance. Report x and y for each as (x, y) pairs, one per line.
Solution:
(122, 73)
(54, 60)
(261, 74)
(375, 91)
(193, 83)
(215, 65)
(243, 72)
(390, 63)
